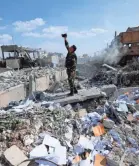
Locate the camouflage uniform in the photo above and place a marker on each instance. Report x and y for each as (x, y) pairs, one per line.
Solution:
(70, 64)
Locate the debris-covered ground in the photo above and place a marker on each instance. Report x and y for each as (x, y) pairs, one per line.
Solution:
(97, 132)
(120, 76)
(104, 133)
(12, 78)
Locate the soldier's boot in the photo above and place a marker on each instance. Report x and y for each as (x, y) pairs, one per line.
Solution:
(75, 90)
(71, 93)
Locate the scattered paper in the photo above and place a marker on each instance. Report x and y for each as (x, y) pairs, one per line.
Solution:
(39, 151)
(51, 141)
(85, 143)
(122, 107)
(61, 153)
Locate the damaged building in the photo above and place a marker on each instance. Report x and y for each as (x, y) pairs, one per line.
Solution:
(18, 57)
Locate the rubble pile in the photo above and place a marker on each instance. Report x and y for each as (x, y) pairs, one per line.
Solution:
(48, 134)
(120, 76)
(14, 78)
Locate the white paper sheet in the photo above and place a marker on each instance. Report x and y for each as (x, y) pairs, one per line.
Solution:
(50, 141)
(39, 151)
(61, 153)
(85, 143)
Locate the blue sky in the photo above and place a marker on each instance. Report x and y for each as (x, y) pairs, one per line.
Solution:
(90, 24)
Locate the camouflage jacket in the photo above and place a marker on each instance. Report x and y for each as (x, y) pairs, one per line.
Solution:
(71, 59)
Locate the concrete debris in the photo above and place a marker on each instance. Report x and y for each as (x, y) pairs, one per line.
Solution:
(22, 76)
(110, 67)
(100, 136)
(108, 123)
(109, 89)
(14, 156)
(87, 129)
(82, 113)
(120, 76)
(28, 140)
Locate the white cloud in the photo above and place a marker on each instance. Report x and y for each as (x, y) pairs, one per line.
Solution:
(56, 31)
(5, 38)
(1, 18)
(82, 34)
(98, 30)
(50, 32)
(88, 33)
(25, 26)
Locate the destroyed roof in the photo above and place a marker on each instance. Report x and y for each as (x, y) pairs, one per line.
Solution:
(132, 29)
(13, 48)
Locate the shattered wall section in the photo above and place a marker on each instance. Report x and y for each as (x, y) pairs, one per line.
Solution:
(16, 93)
(42, 83)
(15, 86)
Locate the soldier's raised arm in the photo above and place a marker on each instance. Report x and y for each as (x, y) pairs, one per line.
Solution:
(66, 43)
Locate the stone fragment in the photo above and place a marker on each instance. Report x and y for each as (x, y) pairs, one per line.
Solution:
(82, 113)
(14, 156)
(109, 89)
(38, 124)
(28, 139)
(130, 117)
(128, 129)
(108, 123)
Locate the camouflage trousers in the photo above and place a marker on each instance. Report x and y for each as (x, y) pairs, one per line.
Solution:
(71, 78)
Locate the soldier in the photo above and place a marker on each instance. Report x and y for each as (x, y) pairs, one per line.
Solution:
(70, 64)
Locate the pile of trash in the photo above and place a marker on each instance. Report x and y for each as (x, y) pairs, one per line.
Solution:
(49, 135)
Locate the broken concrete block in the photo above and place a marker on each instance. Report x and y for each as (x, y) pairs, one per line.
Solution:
(128, 129)
(14, 156)
(108, 123)
(109, 89)
(130, 117)
(54, 87)
(28, 140)
(82, 113)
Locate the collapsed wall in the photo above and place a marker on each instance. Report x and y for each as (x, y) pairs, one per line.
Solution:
(17, 85)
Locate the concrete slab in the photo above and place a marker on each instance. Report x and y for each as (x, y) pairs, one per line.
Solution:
(15, 93)
(82, 113)
(15, 156)
(90, 93)
(68, 100)
(82, 95)
(42, 83)
(109, 89)
(13, 63)
(60, 75)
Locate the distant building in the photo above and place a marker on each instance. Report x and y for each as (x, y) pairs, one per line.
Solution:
(53, 59)
(84, 59)
(85, 56)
